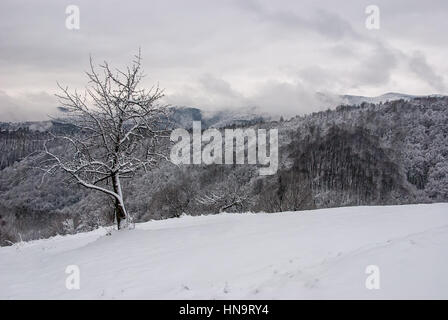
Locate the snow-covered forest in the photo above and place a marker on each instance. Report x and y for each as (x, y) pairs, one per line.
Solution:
(394, 152)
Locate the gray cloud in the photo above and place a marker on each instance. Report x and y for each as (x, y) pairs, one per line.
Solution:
(376, 67)
(320, 21)
(272, 96)
(422, 69)
(27, 106)
(224, 54)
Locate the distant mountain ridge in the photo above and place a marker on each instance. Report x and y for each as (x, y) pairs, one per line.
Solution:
(180, 116)
(183, 116)
(390, 96)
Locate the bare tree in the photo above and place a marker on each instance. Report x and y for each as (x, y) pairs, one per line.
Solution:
(230, 196)
(118, 126)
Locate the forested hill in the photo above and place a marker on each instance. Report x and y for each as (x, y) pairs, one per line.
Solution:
(19, 140)
(388, 153)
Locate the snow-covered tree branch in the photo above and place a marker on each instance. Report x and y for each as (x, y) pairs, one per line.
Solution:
(118, 127)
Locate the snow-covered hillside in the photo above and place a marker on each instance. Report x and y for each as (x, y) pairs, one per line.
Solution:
(291, 255)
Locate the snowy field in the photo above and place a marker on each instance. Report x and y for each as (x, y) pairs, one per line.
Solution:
(319, 254)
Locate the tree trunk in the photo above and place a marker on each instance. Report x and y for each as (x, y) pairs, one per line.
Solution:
(119, 213)
(120, 210)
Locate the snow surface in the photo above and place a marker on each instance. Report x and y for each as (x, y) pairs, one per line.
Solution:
(292, 255)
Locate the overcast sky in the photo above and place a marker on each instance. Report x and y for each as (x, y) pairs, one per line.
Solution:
(225, 54)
